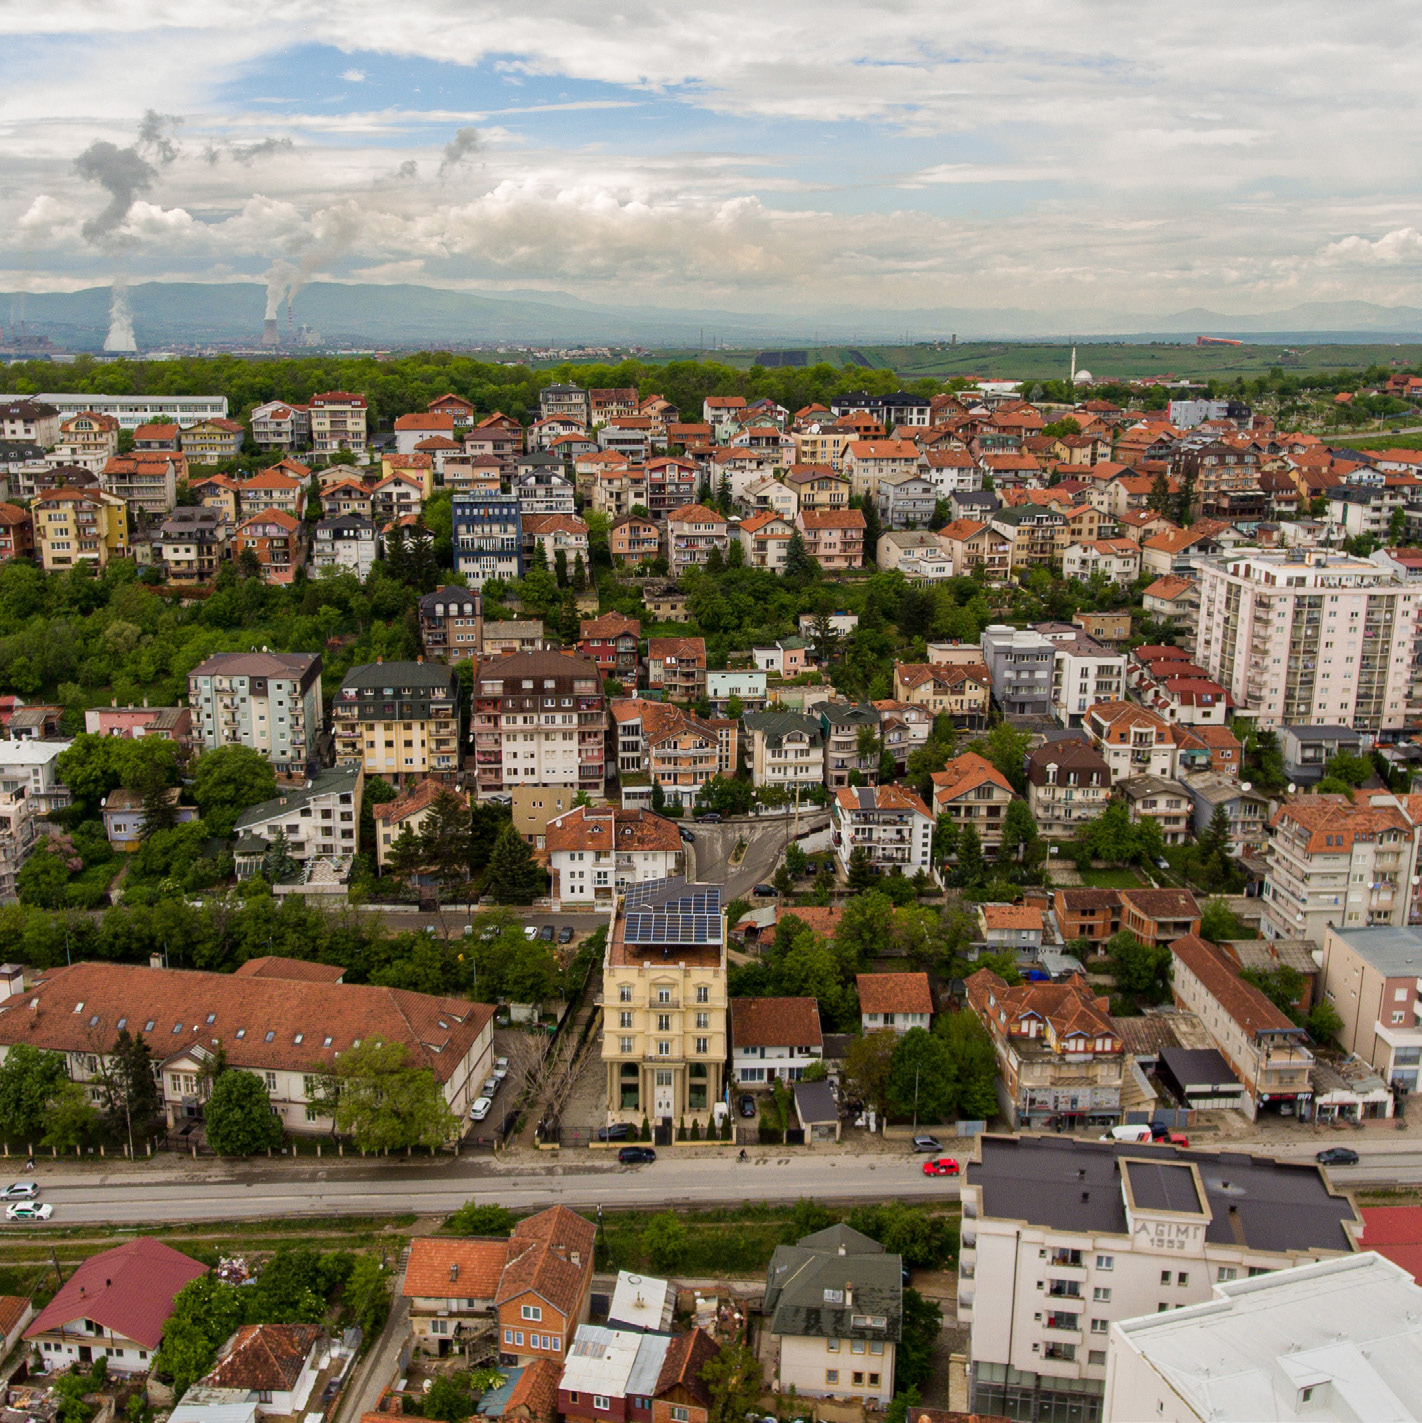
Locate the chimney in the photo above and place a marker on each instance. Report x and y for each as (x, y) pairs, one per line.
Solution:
(849, 1294)
(155, 960)
(577, 1258)
(454, 1272)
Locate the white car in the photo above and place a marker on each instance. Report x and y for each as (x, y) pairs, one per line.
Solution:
(20, 1191)
(481, 1109)
(28, 1210)
(530, 931)
(501, 1069)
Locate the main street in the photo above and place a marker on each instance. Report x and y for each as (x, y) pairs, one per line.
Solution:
(169, 1190)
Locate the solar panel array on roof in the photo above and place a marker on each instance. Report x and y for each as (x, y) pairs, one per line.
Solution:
(670, 911)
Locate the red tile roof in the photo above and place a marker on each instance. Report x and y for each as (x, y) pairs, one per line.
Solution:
(894, 993)
(436, 1263)
(290, 970)
(265, 1357)
(12, 1311)
(775, 1022)
(1249, 1008)
(550, 1255)
(128, 1289)
(612, 829)
(1396, 1233)
(535, 1391)
(832, 519)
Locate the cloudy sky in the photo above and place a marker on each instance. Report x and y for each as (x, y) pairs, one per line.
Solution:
(756, 155)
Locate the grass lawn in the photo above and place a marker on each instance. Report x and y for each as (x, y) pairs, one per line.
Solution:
(1111, 879)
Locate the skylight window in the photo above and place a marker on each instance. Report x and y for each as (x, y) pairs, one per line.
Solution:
(270, 1036)
(241, 1033)
(211, 1019)
(299, 1036)
(79, 1006)
(177, 1028)
(148, 1026)
(121, 1022)
(327, 1043)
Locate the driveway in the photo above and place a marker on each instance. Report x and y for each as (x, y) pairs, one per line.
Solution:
(765, 840)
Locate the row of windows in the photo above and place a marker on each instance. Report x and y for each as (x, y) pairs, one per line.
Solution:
(856, 1378)
(552, 1343)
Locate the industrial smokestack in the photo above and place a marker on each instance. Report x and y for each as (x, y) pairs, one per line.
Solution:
(271, 336)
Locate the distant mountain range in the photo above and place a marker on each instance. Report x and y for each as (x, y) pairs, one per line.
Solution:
(185, 313)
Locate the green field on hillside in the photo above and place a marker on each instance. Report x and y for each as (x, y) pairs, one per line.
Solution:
(1025, 360)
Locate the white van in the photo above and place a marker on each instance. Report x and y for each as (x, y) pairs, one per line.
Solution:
(1130, 1133)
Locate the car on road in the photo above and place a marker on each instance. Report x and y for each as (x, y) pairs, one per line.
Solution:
(1162, 864)
(764, 891)
(565, 934)
(686, 835)
(1337, 1156)
(618, 1131)
(480, 1109)
(746, 1106)
(710, 818)
(491, 932)
(530, 931)
(636, 1155)
(940, 1166)
(28, 1210)
(490, 1086)
(546, 933)
(20, 1191)
(926, 1143)
(501, 1069)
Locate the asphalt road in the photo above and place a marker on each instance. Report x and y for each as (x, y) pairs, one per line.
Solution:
(582, 1181)
(765, 840)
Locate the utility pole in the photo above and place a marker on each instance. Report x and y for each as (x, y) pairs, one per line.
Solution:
(915, 1101)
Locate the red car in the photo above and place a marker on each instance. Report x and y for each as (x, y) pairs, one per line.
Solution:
(940, 1166)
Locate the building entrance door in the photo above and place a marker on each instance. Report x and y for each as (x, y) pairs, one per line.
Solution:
(663, 1094)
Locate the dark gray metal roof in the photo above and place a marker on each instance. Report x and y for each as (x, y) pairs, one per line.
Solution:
(813, 1289)
(1072, 1185)
(814, 1102)
(1194, 1067)
(1163, 1186)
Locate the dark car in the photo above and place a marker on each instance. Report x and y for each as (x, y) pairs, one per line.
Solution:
(1337, 1156)
(686, 835)
(764, 890)
(546, 933)
(746, 1105)
(636, 1155)
(565, 934)
(710, 818)
(618, 1131)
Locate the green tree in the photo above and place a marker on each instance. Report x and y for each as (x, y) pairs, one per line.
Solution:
(1006, 748)
(513, 876)
(206, 1312)
(30, 1080)
(1141, 970)
(1158, 501)
(487, 820)
(665, 1241)
(43, 880)
(366, 1297)
(450, 1398)
(735, 708)
(862, 875)
(446, 841)
(1219, 922)
(1111, 836)
(735, 1380)
(475, 1219)
(69, 1118)
(406, 857)
(238, 1117)
(799, 566)
(1281, 985)
(387, 1101)
(279, 864)
(229, 780)
(868, 1066)
(795, 859)
(1351, 770)
(1323, 1022)
(922, 1079)
(974, 1060)
(972, 868)
(1019, 831)
(126, 1076)
(864, 928)
(918, 1337)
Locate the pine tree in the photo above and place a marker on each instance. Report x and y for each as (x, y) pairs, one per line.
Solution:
(861, 871)
(540, 556)
(446, 840)
(406, 856)
(971, 869)
(798, 563)
(735, 554)
(160, 810)
(560, 567)
(723, 494)
(513, 877)
(580, 574)
(397, 555)
(1159, 500)
(872, 530)
(278, 863)
(715, 561)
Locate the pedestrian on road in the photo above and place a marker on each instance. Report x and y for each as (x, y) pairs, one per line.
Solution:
(30, 1164)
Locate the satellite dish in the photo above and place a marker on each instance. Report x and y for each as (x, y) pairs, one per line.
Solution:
(1244, 785)
(1292, 788)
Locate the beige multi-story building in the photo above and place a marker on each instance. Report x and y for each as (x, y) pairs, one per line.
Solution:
(193, 544)
(1132, 740)
(88, 439)
(269, 701)
(786, 749)
(1063, 1237)
(213, 440)
(539, 719)
(399, 721)
(670, 748)
(664, 1028)
(408, 811)
(970, 790)
(817, 486)
(960, 691)
(1309, 636)
(866, 462)
(148, 483)
(677, 665)
(1335, 860)
(74, 526)
(1067, 783)
(889, 823)
(1370, 977)
(337, 422)
(1265, 1049)
(834, 538)
(1059, 1054)
(692, 532)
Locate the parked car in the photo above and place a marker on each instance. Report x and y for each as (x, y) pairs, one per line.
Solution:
(618, 1131)
(710, 818)
(940, 1166)
(636, 1155)
(20, 1191)
(686, 835)
(480, 1109)
(530, 931)
(764, 891)
(490, 933)
(746, 1106)
(926, 1143)
(565, 934)
(490, 1086)
(28, 1210)
(546, 933)
(1337, 1156)
(501, 1068)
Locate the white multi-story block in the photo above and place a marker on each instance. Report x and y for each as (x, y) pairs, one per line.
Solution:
(1062, 1238)
(890, 823)
(270, 701)
(1084, 672)
(1307, 636)
(595, 852)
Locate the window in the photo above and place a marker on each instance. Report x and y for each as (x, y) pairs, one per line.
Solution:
(532, 1311)
(508, 1336)
(831, 1375)
(856, 1346)
(832, 1346)
(518, 1337)
(271, 1082)
(1101, 1294)
(624, 1020)
(1165, 1277)
(624, 993)
(703, 993)
(1100, 1326)
(600, 1402)
(1096, 1356)
(680, 1414)
(858, 1379)
(1227, 1273)
(1182, 1278)
(876, 1346)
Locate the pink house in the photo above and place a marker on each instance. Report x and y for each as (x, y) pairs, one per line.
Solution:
(132, 723)
(786, 659)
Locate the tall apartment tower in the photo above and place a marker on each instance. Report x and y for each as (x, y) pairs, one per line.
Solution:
(1302, 636)
(270, 701)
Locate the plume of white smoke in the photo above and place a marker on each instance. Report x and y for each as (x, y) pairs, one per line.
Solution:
(281, 278)
(120, 337)
(247, 153)
(333, 231)
(463, 146)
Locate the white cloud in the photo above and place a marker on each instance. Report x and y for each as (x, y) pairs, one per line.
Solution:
(1392, 248)
(353, 76)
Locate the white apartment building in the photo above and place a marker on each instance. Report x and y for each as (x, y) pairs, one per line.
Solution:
(32, 767)
(270, 701)
(337, 422)
(1084, 672)
(19, 830)
(131, 411)
(1332, 861)
(1132, 741)
(319, 820)
(346, 542)
(890, 822)
(1306, 636)
(1062, 1238)
(595, 852)
(1337, 1339)
(774, 1039)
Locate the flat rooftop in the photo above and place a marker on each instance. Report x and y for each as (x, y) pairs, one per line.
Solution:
(1070, 1185)
(1392, 951)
